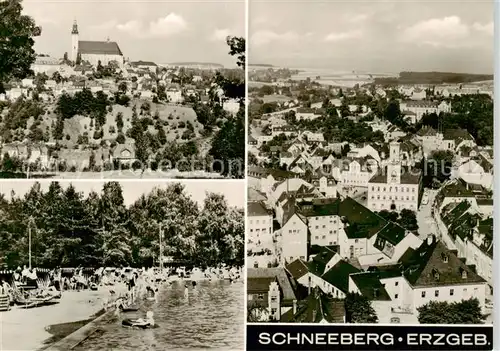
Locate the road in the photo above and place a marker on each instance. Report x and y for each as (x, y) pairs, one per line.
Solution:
(428, 225)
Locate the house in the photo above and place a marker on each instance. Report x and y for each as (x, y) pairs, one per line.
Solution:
(270, 293)
(357, 172)
(260, 232)
(305, 113)
(421, 107)
(174, 95)
(124, 153)
(151, 66)
(369, 285)
(318, 307)
(294, 237)
(430, 273)
(418, 94)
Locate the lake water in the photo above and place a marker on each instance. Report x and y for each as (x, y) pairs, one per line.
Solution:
(337, 78)
(212, 316)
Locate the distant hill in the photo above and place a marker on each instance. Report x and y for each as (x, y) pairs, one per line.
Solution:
(217, 65)
(433, 78)
(260, 65)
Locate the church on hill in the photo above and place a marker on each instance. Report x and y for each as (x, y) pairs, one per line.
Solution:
(94, 51)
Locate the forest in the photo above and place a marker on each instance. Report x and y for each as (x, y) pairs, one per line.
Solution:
(69, 229)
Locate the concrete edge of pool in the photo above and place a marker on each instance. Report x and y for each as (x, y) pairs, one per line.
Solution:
(80, 335)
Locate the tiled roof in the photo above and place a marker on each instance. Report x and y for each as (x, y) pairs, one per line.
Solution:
(315, 308)
(338, 275)
(435, 265)
(258, 280)
(99, 48)
(297, 269)
(370, 286)
(257, 209)
(319, 261)
(393, 233)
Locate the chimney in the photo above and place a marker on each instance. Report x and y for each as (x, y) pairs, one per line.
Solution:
(294, 307)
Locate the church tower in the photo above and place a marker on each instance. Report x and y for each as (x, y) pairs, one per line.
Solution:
(394, 165)
(74, 42)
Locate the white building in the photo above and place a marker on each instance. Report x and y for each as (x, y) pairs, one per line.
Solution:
(395, 188)
(294, 234)
(259, 227)
(95, 51)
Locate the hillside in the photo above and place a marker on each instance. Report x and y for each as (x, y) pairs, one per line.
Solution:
(173, 118)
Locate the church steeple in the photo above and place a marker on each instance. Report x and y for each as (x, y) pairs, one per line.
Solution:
(75, 28)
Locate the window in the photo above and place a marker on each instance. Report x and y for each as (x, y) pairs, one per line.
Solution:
(464, 274)
(396, 283)
(452, 292)
(436, 293)
(396, 296)
(260, 296)
(356, 241)
(423, 293)
(273, 298)
(316, 237)
(317, 226)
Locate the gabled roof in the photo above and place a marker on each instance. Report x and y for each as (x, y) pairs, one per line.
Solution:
(319, 261)
(99, 48)
(338, 275)
(297, 269)
(393, 233)
(257, 209)
(259, 279)
(435, 265)
(370, 286)
(317, 307)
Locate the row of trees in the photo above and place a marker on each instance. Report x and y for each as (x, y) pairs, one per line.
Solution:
(69, 229)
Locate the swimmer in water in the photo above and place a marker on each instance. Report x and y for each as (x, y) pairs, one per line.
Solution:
(186, 291)
(194, 284)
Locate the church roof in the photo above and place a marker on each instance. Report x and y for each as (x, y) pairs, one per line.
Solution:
(99, 48)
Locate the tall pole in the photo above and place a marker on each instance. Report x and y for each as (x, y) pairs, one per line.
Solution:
(29, 241)
(161, 252)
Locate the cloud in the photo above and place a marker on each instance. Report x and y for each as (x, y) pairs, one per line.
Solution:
(265, 37)
(166, 26)
(220, 34)
(132, 27)
(485, 28)
(445, 31)
(361, 17)
(334, 37)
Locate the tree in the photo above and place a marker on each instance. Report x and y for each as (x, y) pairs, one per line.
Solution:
(464, 312)
(358, 309)
(16, 35)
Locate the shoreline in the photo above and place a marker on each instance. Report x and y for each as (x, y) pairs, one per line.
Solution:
(41, 327)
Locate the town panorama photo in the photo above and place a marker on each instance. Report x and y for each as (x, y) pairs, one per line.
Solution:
(122, 90)
(370, 175)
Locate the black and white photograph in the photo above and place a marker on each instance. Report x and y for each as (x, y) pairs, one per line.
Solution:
(122, 89)
(370, 162)
(95, 265)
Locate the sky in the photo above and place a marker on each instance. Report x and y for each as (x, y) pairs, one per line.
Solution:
(162, 31)
(234, 191)
(374, 36)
